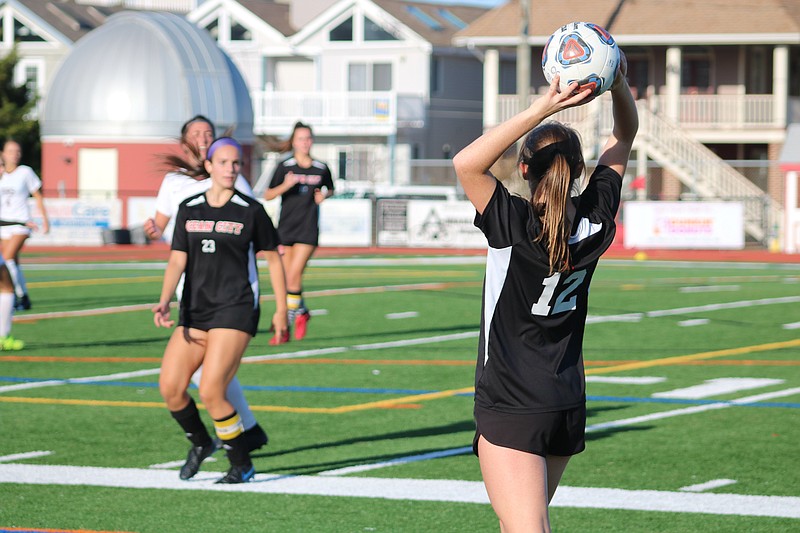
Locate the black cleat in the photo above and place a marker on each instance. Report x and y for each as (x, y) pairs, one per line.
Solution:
(255, 438)
(238, 474)
(197, 454)
(22, 303)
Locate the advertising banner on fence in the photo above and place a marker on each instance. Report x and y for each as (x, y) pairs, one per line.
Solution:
(706, 225)
(428, 224)
(75, 222)
(345, 222)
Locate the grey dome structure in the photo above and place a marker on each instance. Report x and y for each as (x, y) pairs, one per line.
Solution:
(142, 75)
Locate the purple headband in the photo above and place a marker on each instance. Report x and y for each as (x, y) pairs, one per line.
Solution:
(222, 141)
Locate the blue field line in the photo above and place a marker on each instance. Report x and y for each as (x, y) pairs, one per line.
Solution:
(411, 392)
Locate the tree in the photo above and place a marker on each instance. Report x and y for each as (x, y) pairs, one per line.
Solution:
(17, 104)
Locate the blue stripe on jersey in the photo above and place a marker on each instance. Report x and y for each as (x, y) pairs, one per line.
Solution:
(497, 262)
(585, 230)
(252, 274)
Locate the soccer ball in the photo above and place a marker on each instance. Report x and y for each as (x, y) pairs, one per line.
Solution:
(582, 52)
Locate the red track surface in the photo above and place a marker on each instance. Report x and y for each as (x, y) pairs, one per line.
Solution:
(160, 251)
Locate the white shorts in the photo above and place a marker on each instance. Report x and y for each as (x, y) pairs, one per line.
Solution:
(6, 232)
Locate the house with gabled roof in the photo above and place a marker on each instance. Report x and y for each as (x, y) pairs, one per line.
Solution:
(378, 80)
(716, 82)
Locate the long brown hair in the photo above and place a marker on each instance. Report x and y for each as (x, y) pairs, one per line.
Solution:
(273, 144)
(552, 153)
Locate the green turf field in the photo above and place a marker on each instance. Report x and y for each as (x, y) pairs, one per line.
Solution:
(693, 379)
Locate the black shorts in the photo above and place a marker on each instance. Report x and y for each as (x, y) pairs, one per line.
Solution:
(240, 317)
(553, 433)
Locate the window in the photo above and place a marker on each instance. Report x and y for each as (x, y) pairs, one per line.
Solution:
(451, 18)
(436, 75)
(369, 77)
(373, 32)
(382, 77)
(24, 33)
(426, 19)
(239, 32)
(342, 32)
(213, 29)
(30, 73)
(696, 70)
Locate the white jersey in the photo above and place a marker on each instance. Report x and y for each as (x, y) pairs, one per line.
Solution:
(177, 187)
(15, 189)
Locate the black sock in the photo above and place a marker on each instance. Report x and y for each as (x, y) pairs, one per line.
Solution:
(192, 425)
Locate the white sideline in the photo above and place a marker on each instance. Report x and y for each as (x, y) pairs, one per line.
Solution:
(403, 489)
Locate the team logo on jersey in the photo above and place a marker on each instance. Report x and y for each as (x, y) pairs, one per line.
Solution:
(199, 226)
(231, 228)
(211, 226)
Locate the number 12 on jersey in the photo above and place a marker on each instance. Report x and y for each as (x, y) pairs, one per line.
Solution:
(565, 300)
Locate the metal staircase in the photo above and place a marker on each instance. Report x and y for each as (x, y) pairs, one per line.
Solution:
(697, 167)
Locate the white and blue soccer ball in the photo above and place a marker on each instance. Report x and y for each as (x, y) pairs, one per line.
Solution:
(582, 52)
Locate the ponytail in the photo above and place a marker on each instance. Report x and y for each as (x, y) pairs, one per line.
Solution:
(553, 155)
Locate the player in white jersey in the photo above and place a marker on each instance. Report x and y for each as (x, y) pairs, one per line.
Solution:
(17, 184)
(217, 236)
(196, 136)
(530, 400)
(7, 304)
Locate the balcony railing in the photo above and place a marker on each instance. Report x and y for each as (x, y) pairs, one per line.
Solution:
(743, 111)
(336, 113)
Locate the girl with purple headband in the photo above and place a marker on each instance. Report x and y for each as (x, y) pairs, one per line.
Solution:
(186, 177)
(217, 235)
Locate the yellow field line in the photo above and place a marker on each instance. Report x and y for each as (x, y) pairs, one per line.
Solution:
(96, 281)
(665, 361)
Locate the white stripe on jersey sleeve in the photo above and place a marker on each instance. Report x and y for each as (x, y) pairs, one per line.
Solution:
(197, 201)
(239, 200)
(585, 230)
(497, 262)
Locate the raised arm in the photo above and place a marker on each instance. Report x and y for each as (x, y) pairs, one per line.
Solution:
(617, 149)
(472, 164)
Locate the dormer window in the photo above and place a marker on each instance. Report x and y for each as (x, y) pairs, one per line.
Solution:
(342, 32)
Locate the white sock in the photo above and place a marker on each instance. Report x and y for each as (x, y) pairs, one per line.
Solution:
(235, 395)
(6, 312)
(16, 277)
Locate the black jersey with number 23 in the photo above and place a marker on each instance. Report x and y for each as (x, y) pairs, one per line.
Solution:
(221, 243)
(530, 351)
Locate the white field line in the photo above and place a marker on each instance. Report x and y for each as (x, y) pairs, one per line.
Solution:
(710, 288)
(693, 322)
(792, 325)
(403, 489)
(691, 410)
(718, 307)
(708, 485)
(20, 456)
(400, 316)
(399, 461)
(176, 464)
(269, 297)
(718, 387)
